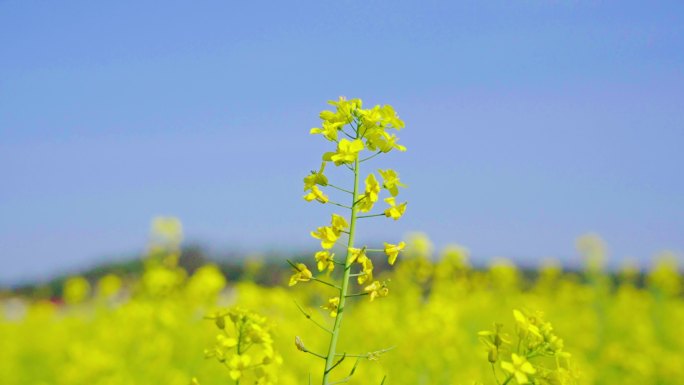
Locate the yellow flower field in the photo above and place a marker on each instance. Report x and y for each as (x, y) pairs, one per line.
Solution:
(157, 329)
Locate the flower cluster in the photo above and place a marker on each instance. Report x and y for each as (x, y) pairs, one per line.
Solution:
(353, 130)
(525, 359)
(246, 346)
(366, 129)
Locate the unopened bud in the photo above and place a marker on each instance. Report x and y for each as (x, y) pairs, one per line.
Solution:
(299, 344)
(493, 355)
(220, 322)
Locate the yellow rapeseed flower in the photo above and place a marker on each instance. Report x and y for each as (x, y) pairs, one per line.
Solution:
(376, 290)
(390, 117)
(237, 365)
(395, 212)
(366, 269)
(371, 194)
(327, 235)
(519, 368)
(324, 260)
(338, 223)
(332, 305)
(390, 181)
(392, 251)
(316, 194)
(347, 152)
(524, 325)
(329, 130)
(226, 342)
(355, 254)
(345, 109)
(379, 139)
(302, 274)
(315, 178)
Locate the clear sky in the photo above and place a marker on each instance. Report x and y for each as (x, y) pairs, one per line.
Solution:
(529, 123)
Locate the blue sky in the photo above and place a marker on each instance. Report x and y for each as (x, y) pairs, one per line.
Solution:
(529, 123)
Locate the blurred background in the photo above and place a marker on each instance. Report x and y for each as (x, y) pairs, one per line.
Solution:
(529, 123)
(151, 165)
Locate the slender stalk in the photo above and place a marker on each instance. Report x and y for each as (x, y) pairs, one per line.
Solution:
(372, 215)
(371, 157)
(495, 376)
(325, 283)
(330, 360)
(366, 355)
(340, 188)
(357, 294)
(316, 354)
(308, 316)
(339, 204)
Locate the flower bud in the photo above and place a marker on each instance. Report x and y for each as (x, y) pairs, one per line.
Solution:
(299, 344)
(493, 355)
(497, 340)
(220, 322)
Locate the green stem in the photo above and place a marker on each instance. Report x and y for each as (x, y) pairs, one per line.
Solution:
(340, 188)
(316, 354)
(325, 283)
(495, 376)
(308, 316)
(357, 294)
(372, 156)
(371, 216)
(339, 204)
(330, 360)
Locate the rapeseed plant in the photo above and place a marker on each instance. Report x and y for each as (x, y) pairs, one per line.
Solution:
(365, 130)
(248, 347)
(523, 361)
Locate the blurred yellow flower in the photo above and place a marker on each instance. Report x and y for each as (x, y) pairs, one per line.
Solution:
(519, 368)
(237, 365)
(76, 289)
